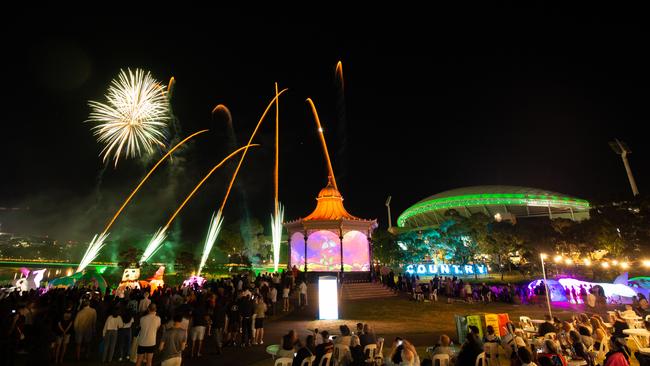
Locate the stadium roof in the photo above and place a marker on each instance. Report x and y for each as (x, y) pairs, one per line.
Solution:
(490, 200)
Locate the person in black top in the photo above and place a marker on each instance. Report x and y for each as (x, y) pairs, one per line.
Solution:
(246, 313)
(219, 320)
(233, 322)
(326, 347)
(307, 350)
(62, 329)
(356, 351)
(469, 351)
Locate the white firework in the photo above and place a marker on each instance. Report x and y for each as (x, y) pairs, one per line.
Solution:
(213, 233)
(155, 244)
(92, 252)
(135, 118)
(276, 234)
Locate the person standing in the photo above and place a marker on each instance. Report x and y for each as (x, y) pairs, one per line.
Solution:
(63, 330)
(273, 297)
(84, 327)
(124, 336)
(149, 325)
(111, 326)
(285, 298)
(303, 293)
(260, 313)
(143, 305)
(173, 343)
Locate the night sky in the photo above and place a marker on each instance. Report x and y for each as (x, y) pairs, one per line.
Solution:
(439, 100)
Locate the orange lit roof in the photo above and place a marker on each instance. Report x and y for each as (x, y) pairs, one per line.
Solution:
(330, 205)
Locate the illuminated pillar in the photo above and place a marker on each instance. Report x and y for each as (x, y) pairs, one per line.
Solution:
(289, 250)
(341, 240)
(305, 236)
(370, 253)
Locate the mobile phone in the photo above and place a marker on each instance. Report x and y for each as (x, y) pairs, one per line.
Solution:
(399, 343)
(13, 311)
(540, 350)
(331, 337)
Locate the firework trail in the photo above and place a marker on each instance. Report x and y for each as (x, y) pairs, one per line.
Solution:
(157, 240)
(278, 212)
(341, 131)
(241, 160)
(211, 238)
(135, 118)
(323, 143)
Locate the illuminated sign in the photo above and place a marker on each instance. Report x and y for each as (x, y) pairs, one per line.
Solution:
(328, 298)
(442, 269)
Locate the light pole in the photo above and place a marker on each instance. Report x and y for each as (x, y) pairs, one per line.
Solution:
(621, 149)
(390, 222)
(548, 295)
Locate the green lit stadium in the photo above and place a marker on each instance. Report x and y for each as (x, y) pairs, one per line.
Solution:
(500, 202)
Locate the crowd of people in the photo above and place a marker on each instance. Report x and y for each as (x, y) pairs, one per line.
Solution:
(39, 327)
(453, 288)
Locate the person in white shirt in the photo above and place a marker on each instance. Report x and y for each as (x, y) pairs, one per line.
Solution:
(303, 294)
(285, 298)
(111, 326)
(273, 297)
(149, 325)
(84, 327)
(144, 303)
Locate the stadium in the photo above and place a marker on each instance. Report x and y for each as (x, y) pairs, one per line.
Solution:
(500, 202)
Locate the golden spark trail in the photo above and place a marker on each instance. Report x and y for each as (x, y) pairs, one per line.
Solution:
(322, 140)
(245, 148)
(147, 176)
(277, 146)
(172, 82)
(225, 199)
(339, 72)
(225, 110)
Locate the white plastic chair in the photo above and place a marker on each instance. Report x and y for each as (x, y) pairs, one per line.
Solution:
(491, 351)
(326, 360)
(441, 358)
(371, 351)
(308, 361)
(643, 350)
(283, 361)
(434, 295)
(481, 360)
(340, 351)
(379, 358)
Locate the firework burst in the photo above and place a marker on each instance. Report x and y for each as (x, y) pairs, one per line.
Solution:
(213, 233)
(135, 118)
(92, 252)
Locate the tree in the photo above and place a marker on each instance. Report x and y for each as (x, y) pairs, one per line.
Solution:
(504, 242)
(129, 256)
(186, 261)
(385, 248)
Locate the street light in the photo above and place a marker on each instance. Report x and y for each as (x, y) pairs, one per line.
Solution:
(557, 259)
(587, 262)
(542, 256)
(646, 263)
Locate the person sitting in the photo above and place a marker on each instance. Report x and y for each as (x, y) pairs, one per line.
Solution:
(345, 336)
(551, 352)
(469, 350)
(307, 350)
(403, 354)
(579, 349)
(359, 330)
(491, 337)
(477, 334)
(286, 349)
(326, 347)
(619, 354)
(546, 327)
(525, 357)
(585, 336)
(511, 342)
(356, 352)
(443, 348)
(368, 336)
